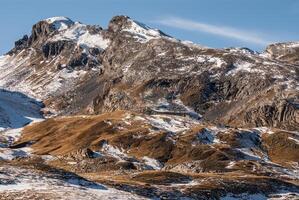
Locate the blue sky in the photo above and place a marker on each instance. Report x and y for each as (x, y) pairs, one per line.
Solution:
(214, 23)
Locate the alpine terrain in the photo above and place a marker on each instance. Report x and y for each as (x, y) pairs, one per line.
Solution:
(129, 112)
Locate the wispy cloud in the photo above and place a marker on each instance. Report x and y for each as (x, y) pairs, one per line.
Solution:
(223, 31)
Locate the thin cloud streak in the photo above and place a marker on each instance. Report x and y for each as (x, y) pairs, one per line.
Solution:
(224, 31)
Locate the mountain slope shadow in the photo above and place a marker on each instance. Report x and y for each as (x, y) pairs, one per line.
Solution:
(17, 109)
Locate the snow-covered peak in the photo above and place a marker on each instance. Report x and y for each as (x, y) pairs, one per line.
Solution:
(242, 50)
(80, 34)
(143, 31)
(193, 45)
(60, 23)
(293, 44)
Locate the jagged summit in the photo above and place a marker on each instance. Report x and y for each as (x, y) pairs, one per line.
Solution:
(126, 24)
(60, 23)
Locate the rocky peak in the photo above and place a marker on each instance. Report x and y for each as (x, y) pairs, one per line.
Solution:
(44, 28)
(40, 31)
(288, 51)
(39, 34)
(138, 29)
(119, 23)
(19, 45)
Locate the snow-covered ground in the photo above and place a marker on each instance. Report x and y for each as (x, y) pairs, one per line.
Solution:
(143, 32)
(17, 110)
(79, 33)
(283, 195)
(60, 23)
(25, 182)
(153, 163)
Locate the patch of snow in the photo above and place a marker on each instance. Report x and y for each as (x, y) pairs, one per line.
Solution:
(249, 145)
(248, 139)
(143, 32)
(60, 23)
(192, 44)
(114, 152)
(249, 154)
(278, 77)
(241, 50)
(174, 124)
(126, 68)
(48, 157)
(10, 154)
(218, 129)
(10, 136)
(79, 33)
(263, 130)
(4, 59)
(108, 122)
(280, 195)
(18, 110)
(162, 54)
(190, 183)
(201, 59)
(231, 164)
(138, 118)
(207, 136)
(55, 187)
(244, 196)
(97, 154)
(218, 62)
(290, 84)
(215, 62)
(244, 66)
(175, 107)
(189, 110)
(294, 44)
(285, 195)
(153, 163)
(294, 139)
(64, 79)
(265, 55)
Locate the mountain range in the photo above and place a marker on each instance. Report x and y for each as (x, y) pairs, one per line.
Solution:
(130, 112)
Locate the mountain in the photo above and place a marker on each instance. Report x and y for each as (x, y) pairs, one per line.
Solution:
(131, 66)
(136, 109)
